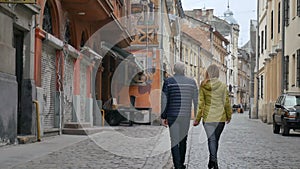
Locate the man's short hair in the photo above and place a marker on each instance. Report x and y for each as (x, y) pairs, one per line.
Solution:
(179, 68)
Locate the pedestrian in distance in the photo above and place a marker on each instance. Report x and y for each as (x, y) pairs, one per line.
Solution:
(214, 110)
(178, 94)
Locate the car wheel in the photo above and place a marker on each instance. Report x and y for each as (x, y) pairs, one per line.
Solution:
(286, 130)
(276, 128)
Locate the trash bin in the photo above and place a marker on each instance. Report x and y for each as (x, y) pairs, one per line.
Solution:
(142, 116)
(112, 117)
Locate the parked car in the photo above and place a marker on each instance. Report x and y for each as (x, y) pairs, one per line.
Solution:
(286, 113)
(237, 108)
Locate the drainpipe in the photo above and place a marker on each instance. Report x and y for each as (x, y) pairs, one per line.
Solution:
(283, 51)
(38, 126)
(60, 93)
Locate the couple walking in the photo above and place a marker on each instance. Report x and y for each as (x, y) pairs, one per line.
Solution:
(211, 104)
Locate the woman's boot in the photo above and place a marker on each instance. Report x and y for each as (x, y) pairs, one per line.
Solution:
(210, 164)
(215, 165)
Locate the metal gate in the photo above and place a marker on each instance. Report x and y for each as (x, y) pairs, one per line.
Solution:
(49, 86)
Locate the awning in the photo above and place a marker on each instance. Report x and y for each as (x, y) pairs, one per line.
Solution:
(121, 53)
(115, 50)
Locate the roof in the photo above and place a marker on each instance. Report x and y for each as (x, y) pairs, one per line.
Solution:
(228, 16)
(221, 37)
(198, 34)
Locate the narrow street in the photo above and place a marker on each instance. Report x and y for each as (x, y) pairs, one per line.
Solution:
(245, 143)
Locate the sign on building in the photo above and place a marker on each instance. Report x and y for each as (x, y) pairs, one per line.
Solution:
(18, 1)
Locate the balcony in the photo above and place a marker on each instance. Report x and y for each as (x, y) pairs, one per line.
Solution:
(101, 16)
(88, 10)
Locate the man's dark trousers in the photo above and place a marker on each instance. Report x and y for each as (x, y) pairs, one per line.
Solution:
(178, 127)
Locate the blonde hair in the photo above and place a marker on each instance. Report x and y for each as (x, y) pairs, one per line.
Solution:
(211, 72)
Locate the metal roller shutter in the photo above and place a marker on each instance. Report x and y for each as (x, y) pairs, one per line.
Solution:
(83, 113)
(48, 84)
(68, 89)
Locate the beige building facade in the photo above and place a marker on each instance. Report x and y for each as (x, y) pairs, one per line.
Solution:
(201, 47)
(292, 46)
(278, 66)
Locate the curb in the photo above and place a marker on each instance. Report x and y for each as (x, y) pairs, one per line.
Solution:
(26, 139)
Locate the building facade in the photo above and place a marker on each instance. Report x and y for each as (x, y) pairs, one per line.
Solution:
(228, 27)
(250, 48)
(244, 70)
(201, 47)
(277, 53)
(53, 56)
(17, 86)
(155, 46)
(75, 58)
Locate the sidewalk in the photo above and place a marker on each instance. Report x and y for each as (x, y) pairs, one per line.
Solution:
(120, 147)
(13, 155)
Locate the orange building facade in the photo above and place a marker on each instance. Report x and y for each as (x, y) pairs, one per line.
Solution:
(70, 62)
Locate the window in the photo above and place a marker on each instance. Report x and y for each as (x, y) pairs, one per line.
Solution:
(298, 68)
(293, 71)
(47, 19)
(278, 17)
(258, 87)
(272, 24)
(262, 41)
(83, 39)
(266, 36)
(286, 77)
(258, 46)
(67, 32)
(287, 12)
(291, 101)
(298, 7)
(262, 86)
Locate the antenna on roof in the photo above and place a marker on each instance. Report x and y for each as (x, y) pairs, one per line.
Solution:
(228, 4)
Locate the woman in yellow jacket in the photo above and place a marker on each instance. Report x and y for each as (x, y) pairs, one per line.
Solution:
(214, 108)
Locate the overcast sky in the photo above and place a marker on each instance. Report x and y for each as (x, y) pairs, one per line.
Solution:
(242, 10)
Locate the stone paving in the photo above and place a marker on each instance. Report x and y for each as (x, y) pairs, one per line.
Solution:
(122, 148)
(246, 144)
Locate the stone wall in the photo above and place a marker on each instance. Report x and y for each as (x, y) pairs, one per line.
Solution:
(8, 108)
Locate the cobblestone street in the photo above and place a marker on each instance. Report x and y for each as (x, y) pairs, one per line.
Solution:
(120, 147)
(245, 143)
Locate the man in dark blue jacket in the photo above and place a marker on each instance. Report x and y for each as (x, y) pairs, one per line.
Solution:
(178, 93)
